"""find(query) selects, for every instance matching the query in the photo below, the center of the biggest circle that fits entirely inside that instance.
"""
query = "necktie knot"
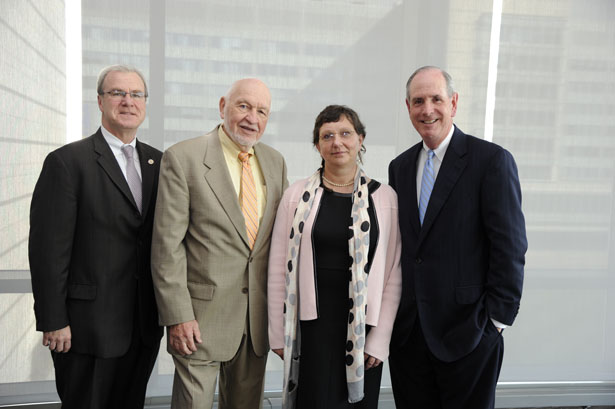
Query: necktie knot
(244, 156)
(430, 154)
(128, 151)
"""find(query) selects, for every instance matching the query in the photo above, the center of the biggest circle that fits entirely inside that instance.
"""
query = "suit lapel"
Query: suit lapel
(411, 188)
(107, 161)
(451, 169)
(148, 175)
(219, 179)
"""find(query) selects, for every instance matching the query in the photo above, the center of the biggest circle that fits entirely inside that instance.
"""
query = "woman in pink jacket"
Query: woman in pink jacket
(334, 274)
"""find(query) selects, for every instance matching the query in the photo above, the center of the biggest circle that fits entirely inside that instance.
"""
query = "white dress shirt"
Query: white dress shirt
(439, 153)
(116, 147)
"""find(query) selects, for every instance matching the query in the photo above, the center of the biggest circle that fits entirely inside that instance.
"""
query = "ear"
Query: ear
(454, 102)
(100, 102)
(408, 105)
(222, 104)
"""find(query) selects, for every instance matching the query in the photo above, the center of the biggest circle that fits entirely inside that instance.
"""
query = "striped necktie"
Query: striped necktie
(248, 198)
(427, 183)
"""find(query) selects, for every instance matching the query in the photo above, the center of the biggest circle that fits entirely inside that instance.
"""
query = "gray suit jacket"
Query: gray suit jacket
(202, 265)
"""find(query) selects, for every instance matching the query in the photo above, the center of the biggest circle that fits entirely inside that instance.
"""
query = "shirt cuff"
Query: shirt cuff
(498, 324)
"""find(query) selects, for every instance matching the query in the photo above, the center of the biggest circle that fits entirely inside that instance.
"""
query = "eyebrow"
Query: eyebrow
(428, 96)
(243, 101)
(349, 129)
(121, 89)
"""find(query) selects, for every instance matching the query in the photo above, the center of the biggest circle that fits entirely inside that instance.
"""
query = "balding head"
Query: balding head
(245, 111)
(431, 104)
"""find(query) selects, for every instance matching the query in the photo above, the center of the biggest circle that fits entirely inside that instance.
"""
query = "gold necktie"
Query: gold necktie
(248, 198)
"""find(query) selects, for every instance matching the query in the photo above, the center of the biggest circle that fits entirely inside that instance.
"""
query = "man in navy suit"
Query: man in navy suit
(90, 235)
(463, 252)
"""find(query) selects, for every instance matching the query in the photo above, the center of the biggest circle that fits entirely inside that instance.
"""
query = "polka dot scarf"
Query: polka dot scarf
(358, 247)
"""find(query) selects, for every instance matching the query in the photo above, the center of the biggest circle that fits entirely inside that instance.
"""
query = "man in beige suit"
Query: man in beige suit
(210, 254)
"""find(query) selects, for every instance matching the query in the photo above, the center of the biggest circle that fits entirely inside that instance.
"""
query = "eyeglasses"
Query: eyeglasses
(117, 94)
(326, 137)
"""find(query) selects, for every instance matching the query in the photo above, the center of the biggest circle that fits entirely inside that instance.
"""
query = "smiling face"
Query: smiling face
(245, 111)
(430, 107)
(122, 115)
(339, 144)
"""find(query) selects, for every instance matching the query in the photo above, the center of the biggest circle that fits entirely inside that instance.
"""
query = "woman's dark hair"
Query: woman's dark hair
(334, 113)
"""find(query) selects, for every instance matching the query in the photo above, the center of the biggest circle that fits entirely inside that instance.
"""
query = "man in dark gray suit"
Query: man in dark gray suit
(463, 252)
(89, 249)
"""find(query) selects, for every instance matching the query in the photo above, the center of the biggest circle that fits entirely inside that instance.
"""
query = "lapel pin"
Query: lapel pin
(150, 161)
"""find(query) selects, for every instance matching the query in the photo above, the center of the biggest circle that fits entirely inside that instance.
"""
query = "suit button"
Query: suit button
(250, 259)
(418, 260)
(244, 290)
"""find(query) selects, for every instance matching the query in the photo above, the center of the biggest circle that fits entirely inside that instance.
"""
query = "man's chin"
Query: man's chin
(244, 141)
(130, 122)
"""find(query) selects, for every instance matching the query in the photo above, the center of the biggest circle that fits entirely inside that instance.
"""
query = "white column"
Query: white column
(74, 101)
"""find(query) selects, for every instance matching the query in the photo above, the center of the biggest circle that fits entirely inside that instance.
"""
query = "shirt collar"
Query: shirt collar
(441, 149)
(114, 142)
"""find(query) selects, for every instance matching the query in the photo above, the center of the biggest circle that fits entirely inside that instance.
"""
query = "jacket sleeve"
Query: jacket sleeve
(276, 279)
(379, 338)
(169, 266)
(505, 229)
(53, 215)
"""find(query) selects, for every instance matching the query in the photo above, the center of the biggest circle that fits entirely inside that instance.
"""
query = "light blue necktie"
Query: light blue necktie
(427, 182)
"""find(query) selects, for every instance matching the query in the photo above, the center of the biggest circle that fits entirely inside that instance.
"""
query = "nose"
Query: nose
(252, 116)
(127, 99)
(337, 139)
(428, 108)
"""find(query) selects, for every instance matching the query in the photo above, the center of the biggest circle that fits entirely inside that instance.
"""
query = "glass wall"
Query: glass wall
(32, 123)
(553, 111)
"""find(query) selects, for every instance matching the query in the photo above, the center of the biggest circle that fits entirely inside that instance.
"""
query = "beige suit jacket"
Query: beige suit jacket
(202, 265)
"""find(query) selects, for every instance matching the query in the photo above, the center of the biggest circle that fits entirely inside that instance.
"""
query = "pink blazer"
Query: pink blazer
(383, 283)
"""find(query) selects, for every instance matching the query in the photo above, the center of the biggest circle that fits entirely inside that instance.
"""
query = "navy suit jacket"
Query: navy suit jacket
(89, 248)
(465, 264)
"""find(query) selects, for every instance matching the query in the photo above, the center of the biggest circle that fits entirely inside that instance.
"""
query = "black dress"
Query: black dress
(322, 370)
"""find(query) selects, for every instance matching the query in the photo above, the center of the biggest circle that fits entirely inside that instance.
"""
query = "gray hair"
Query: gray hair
(450, 87)
(120, 68)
